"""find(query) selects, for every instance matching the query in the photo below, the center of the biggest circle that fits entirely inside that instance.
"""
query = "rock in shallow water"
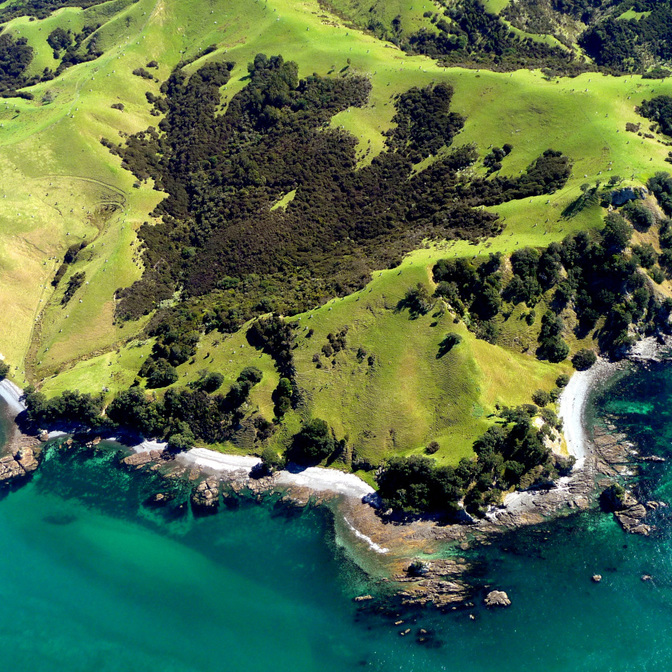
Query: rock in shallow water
(205, 497)
(497, 598)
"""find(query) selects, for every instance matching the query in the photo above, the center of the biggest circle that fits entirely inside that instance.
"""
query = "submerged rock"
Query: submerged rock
(160, 499)
(497, 598)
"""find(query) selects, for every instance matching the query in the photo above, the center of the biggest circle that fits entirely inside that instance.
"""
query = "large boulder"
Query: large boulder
(205, 497)
(27, 459)
(10, 469)
(497, 598)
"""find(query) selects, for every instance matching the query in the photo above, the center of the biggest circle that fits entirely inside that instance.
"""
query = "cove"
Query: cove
(94, 580)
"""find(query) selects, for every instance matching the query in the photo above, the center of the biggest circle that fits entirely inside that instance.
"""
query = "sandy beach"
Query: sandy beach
(12, 393)
(314, 478)
(572, 406)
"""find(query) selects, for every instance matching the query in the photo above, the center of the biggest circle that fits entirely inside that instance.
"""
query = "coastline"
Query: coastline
(382, 548)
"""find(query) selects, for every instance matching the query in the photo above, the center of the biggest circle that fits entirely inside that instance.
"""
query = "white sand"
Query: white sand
(315, 478)
(147, 446)
(209, 459)
(572, 406)
(327, 480)
(12, 393)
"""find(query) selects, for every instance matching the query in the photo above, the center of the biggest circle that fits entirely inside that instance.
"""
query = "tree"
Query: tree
(132, 408)
(282, 397)
(209, 381)
(181, 441)
(554, 350)
(562, 380)
(449, 341)
(584, 359)
(313, 443)
(417, 300)
(251, 374)
(616, 233)
(162, 375)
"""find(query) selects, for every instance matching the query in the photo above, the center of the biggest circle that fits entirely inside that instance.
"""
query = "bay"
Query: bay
(94, 580)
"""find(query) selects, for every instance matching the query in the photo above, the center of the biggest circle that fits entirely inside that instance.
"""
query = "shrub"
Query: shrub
(271, 460)
(562, 380)
(432, 448)
(584, 359)
(540, 398)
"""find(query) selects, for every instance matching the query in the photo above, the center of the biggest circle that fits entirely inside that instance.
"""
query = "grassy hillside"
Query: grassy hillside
(59, 184)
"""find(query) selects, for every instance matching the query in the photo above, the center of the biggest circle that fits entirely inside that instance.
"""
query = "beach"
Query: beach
(572, 406)
(12, 394)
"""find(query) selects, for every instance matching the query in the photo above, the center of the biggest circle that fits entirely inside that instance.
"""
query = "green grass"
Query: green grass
(51, 162)
(285, 200)
(496, 6)
(632, 14)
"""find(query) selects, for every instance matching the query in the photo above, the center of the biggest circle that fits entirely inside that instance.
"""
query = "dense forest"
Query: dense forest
(658, 109)
(224, 173)
(180, 418)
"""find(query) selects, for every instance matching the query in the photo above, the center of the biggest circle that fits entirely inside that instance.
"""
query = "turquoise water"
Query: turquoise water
(92, 580)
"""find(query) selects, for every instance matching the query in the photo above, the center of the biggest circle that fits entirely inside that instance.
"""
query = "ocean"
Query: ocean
(93, 580)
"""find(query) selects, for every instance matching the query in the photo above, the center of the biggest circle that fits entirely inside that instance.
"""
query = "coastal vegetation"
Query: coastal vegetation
(380, 213)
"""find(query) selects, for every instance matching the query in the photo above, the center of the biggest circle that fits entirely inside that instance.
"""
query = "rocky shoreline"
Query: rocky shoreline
(216, 480)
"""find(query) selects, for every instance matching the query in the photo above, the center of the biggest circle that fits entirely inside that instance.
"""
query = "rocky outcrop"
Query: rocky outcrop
(438, 585)
(629, 513)
(27, 459)
(632, 519)
(497, 598)
(10, 469)
(615, 454)
(19, 462)
(205, 497)
(147, 458)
